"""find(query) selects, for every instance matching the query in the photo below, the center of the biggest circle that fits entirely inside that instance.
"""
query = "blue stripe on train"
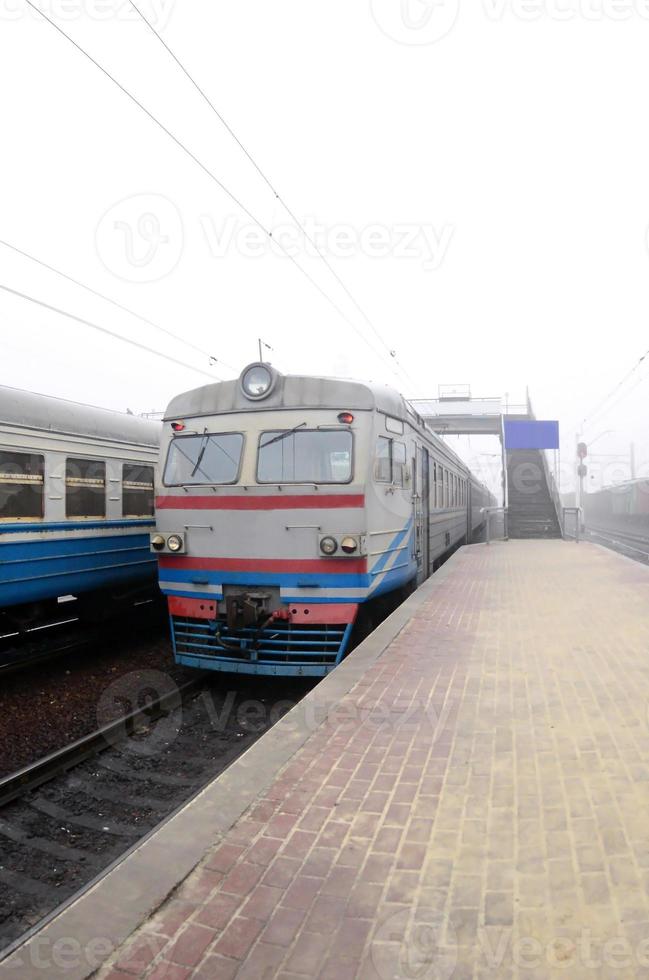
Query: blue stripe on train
(296, 579)
(64, 548)
(31, 571)
(33, 526)
(393, 579)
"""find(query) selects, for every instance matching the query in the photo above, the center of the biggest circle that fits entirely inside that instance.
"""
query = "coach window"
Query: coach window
(85, 488)
(398, 463)
(21, 485)
(137, 490)
(440, 486)
(383, 460)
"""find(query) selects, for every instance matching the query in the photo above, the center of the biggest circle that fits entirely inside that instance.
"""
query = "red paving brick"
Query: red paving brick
(476, 805)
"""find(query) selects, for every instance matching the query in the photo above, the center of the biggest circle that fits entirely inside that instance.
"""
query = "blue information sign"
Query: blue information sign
(531, 435)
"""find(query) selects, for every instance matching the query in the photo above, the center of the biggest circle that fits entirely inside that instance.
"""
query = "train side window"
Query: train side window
(383, 460)
(85, 488)
(433, 487)
(439, 502)
(21, 485)
(398, 463)
(137, 490)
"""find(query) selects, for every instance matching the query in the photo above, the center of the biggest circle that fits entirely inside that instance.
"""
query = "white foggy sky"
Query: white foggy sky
(505, 152)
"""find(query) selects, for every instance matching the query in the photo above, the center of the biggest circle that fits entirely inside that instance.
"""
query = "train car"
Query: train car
(76, 505)
(290, 505)
(623, 507)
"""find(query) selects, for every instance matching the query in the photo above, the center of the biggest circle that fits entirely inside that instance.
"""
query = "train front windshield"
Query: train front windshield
(305, 456)
(213, 457)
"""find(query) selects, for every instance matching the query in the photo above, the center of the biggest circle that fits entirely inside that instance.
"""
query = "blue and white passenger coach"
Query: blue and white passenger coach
(76, 504)
(286, 505)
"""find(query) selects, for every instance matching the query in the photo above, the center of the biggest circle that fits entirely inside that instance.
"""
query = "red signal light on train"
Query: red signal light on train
(178, 426)
(345, 418)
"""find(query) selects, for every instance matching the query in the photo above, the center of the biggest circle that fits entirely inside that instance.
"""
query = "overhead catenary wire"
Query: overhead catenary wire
(309, 238)
(105, 330)
(119, 306)
(600, 405)
(209, 173)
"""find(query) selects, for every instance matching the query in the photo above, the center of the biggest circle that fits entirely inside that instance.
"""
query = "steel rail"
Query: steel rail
(14, 660)
(50, 641)
(621, 538)
(30, 777)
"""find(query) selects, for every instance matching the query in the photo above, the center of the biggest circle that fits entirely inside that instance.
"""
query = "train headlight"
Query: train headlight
(349, 545)
(157, 542)
(174, 542)
(328, 546)
(257, 381)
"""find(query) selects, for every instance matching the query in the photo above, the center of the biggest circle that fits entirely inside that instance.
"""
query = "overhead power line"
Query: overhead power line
(118, 306)
(209, 173)
(275, 192)
(600, 405)
(105, 330)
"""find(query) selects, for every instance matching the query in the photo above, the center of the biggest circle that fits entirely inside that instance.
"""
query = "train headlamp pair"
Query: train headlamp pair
(329, 545)
(173, 543)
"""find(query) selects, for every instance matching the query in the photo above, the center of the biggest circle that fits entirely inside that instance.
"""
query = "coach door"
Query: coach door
(425, 508)
(416, 516)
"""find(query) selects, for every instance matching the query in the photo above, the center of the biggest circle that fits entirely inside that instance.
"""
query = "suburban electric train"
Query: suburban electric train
(289, 506)
(76, 506)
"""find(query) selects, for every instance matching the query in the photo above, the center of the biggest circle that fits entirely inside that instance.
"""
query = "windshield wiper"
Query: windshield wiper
(283, 435)
(199, 460)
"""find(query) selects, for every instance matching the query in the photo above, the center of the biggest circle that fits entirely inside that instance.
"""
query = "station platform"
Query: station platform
(467, 795)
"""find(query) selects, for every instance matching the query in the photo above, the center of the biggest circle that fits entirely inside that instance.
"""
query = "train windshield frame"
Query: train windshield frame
(204, 459)
(300, 455)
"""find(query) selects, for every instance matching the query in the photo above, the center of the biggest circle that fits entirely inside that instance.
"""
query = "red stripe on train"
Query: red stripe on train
(330, 565)
(324, 501)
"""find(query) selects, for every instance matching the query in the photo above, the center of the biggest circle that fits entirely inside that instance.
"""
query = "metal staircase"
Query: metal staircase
(531, 508)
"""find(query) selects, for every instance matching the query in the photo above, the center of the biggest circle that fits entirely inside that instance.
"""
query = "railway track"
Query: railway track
(634, 545)
(30, 777)
(67, 819)
(66, 636)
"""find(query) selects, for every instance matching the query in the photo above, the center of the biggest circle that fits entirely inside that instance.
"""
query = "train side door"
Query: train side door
(425, 507)
(417, 516)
